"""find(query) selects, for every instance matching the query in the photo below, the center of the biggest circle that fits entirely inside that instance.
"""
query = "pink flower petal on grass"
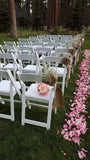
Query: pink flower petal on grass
(64, 154)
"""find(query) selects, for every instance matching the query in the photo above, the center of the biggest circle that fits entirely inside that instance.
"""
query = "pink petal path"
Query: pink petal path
(75, 123)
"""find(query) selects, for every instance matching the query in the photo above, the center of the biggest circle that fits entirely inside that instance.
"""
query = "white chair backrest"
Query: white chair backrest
(41, 37)
(8, 48)
(23, 43)
(28, 77)
(23, 39)
(50, 45)
(54, 37)
(10, 43)
(48, 59)
(7, 57)
(33, 39)
(61, 51)
(46, 40)
(37, 44)
(59, 44)
(29, 59)
(25, 49)
(52, 61)
(43, 51)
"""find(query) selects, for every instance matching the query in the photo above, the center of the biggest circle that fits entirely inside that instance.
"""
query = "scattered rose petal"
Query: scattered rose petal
(76, 124)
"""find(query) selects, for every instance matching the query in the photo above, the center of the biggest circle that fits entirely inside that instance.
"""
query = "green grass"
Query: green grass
(22, 33)
(35, 143)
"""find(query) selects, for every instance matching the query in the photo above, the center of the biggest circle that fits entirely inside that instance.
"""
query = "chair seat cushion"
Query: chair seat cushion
(11, 66)
(33, 94)
(5, 87)
(31, 68)
(60, 70)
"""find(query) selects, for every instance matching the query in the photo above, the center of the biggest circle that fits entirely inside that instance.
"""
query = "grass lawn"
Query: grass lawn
(36, 143)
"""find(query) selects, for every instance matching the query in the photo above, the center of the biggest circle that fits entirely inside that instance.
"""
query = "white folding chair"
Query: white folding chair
(42, 51)
(36, 44)
(29, 63)
(23, 40)
(33, 39)
(41, 37)
(30, 93)
(22, 43)
(10, 43)
(61, 71)
(8, 49)
(50, 45)
(61, 51)
(25, 50)
(8, 90)
(8, 63)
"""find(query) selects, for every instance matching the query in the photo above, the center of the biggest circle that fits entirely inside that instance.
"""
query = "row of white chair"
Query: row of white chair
(26, 67)
(46, 51)
(31, 63)
(39, 50)
(24, 47)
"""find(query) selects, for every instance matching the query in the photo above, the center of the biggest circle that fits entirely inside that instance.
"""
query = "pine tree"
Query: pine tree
(38, 14)
(4, 14)
(76, 19)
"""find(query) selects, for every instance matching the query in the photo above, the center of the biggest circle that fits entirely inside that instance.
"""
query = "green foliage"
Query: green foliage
(4, 14)
(38, 16)
(76, 19)
(3, 9)
(56, 30)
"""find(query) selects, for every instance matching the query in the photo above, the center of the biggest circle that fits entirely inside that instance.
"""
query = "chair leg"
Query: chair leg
(23, 106)
(12, 104)
(49, 114)
(63, 84)
(12, 109)
(55, 110)
(66, 82)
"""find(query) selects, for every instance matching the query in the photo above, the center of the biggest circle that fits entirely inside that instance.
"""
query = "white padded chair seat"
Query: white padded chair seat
(34, 94)
(11, 66)
(30, 68)
(60, 71)
(5, 87)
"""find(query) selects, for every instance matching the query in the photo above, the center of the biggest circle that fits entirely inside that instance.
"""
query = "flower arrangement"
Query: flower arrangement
(43, 88)
(50, 77)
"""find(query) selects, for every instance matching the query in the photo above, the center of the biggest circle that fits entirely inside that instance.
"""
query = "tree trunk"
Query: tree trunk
(13, 31)
(59, 11)
(49, 14)
(56, 12)
(53, 13)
